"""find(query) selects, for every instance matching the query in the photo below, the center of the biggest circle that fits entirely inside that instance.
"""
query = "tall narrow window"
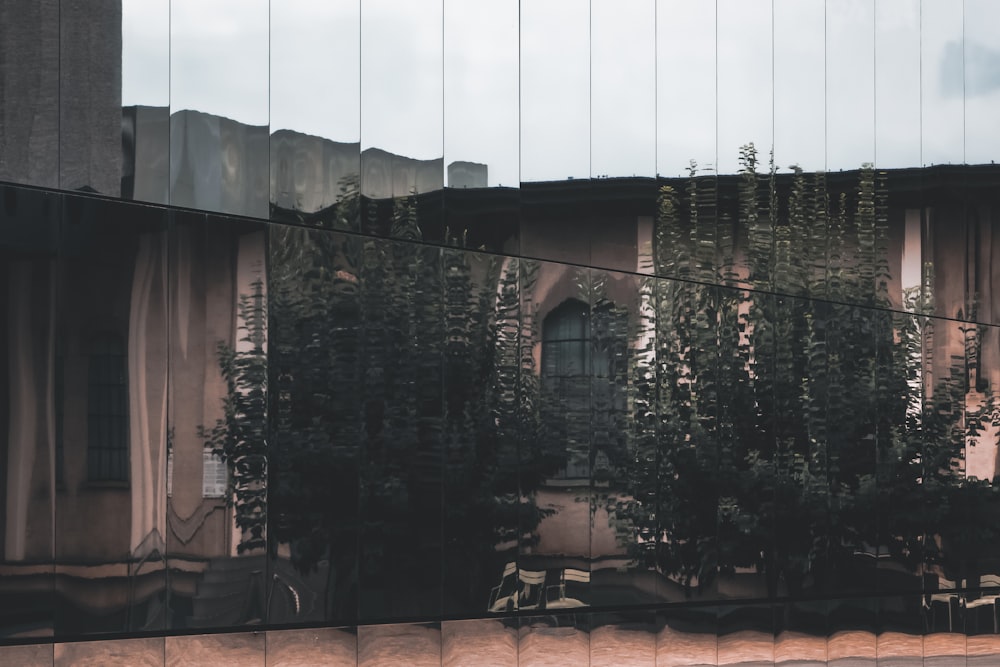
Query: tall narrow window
(107, 410)
(213, 474)
(566, 357)
(566, 341)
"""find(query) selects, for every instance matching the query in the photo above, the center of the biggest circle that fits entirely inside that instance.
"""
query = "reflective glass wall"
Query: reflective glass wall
(659, 332)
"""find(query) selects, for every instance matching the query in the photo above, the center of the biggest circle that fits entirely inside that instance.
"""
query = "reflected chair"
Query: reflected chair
(532, 585)
(561, 600)
(987, 581)
(946, 596)
(498, 603)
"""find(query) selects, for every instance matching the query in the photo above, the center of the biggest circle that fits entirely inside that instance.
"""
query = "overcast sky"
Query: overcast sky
(576, 88)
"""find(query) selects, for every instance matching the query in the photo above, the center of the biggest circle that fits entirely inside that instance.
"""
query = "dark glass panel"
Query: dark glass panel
(315, 54)
(401, 68)
(557, 221)
(29, 93)
(113, 325)
(622, 354)
(563, 636)
(687, 459)
(743, 393)
(243, 648)
(30, 298)
(316, 423)
(409, 645)
(853, 632)
(90, 96)
(801, 632)
(145, 100)
(479, 642)
(219, 106)
(626, 639)
(146, 652)
(481, 498)
(332, 647)
(403, 332)
(216, 511)
(900, 631)
(746, 634)
(688, 637)
(555, 454)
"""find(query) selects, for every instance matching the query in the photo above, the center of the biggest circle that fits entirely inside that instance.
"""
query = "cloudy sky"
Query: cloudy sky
(553, 89)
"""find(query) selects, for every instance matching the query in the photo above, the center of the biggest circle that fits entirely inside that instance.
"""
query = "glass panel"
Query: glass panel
(745, 86)
(316, 423)
(942, 83)
(687, 470)
(623, 639)
(481, 94)
(416, 645)
(900, 635)
(219, 106)
(801, 631)
(402, 327)
(799, 84)
(32, 655)
(746, 634)
(897, 84)
(30, 420)
(688, 637)
(685, 86)
(554, 562)
(218, 370)
(481, 315)
(333, 647)
(315, 154)
(111, 499)
(244, 648)
(484, 642)
(146, 652)
(982, 87)
(555, 91)
(623, 88)
(401, 68)
(850, 84)
(623, 377)
(90, 47)
(750, 367)
(564, 638)
(853, 632)
(145, 99)
(29, 93)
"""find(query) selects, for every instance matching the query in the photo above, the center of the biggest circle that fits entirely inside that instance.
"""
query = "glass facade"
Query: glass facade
(373, 333)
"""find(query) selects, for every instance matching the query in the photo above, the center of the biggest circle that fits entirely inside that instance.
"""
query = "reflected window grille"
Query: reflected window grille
(566, 358)
(213, 474)
(107, 409)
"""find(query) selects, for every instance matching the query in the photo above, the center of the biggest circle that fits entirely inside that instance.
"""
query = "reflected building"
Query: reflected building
(332, 400)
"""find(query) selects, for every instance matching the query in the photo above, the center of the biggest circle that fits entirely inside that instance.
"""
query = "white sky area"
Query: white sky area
(551, 89)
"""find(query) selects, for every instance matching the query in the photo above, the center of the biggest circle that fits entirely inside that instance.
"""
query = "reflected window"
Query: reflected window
(566, 341)
(213, 475)
(107, 410)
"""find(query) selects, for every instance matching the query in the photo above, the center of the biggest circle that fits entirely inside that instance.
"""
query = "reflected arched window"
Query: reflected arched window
(107, 409)
(566, 341)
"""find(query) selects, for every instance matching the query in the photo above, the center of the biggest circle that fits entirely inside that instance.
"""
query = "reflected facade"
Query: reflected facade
(482, 334)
